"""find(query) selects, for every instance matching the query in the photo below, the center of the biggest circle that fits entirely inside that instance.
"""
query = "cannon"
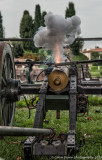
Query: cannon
(61, 89)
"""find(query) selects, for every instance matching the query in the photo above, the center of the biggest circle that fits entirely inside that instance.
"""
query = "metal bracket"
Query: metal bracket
(38, 122)
(28, 147)
(71, 139)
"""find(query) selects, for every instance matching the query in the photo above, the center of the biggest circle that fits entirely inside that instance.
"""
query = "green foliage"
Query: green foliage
(1, 27)
(95, 74)
(42, 54)
(21, 103)
(100, 56)
(94, 68)
(27, 30)
(45, 55)
(94, 55)
(76, 46)
(30, 55)
(70, 10)
(17, 49)
(42, 18)
(26, 25)
(95, 64)
(29, 26)
(49, 52)
(95, 100)
(79, 57)
(37, 19)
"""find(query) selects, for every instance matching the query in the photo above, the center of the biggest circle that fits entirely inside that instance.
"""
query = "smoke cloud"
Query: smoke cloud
(58, 31)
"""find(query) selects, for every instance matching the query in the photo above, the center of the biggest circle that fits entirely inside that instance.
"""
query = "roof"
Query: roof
(93, 50)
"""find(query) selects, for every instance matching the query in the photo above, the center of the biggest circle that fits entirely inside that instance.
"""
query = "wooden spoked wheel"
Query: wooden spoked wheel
(7, 71)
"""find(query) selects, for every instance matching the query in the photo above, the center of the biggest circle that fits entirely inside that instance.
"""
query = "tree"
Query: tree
(1, 27)
(42, 54)
(27, 30)
(77, 45)
(17, 49)
(70, 11)
(42, 18)
(95, 55)
(37, 20)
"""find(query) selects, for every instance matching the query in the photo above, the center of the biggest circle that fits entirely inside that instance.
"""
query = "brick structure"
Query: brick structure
(23, 70)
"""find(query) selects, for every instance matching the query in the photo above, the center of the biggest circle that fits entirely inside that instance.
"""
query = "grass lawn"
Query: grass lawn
(11, 147)
(95, 72)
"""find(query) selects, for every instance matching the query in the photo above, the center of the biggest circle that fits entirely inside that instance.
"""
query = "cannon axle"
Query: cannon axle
(18, 131)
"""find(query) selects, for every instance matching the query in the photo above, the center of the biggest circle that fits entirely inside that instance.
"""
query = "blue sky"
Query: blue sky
(89, 11)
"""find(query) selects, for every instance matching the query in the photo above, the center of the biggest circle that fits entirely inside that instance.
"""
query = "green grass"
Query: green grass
(95, 72)
(92, 129)
(95, 100)
(94, 68)
(11, 147)
(21, 103)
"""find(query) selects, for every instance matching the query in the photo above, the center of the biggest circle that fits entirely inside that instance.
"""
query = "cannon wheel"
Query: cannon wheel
(7, 70)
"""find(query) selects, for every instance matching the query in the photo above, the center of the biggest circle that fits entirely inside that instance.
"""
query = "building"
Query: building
(89, 51)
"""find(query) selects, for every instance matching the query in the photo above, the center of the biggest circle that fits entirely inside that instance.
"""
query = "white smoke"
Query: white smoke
(58, 30)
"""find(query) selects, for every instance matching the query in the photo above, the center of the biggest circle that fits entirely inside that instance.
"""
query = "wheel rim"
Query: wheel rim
(7, 109)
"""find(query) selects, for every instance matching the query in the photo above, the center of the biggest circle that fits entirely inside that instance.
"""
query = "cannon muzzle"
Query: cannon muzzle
(58, 79)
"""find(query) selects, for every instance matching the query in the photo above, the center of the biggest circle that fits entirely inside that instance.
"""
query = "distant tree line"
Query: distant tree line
(29, 26)
(76, 46)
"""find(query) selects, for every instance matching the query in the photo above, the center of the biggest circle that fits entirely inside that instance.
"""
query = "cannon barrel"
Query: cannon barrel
(18, 131)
